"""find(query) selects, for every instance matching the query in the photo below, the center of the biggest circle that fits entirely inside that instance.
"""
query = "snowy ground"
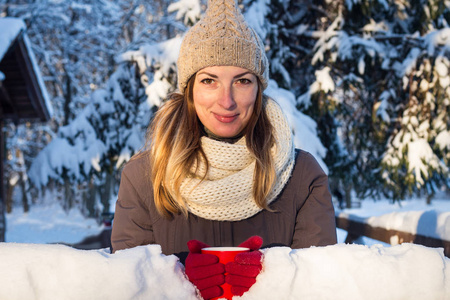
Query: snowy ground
(49, 224)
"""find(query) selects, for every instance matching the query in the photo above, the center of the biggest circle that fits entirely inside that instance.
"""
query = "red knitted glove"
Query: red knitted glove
(246, 266)
(204, 270)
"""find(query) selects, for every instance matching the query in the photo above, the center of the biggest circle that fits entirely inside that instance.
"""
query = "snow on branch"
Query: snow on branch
(188, 10)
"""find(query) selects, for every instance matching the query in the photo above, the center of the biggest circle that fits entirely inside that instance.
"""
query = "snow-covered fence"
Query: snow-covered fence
(394, 235)
(408, 271)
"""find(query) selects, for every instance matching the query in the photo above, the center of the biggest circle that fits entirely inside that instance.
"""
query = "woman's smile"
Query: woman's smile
(225, 119)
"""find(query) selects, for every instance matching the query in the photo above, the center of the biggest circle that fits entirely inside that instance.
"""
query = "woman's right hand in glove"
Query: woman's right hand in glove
(204, 270)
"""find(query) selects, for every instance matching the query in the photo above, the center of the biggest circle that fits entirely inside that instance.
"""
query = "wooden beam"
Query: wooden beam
(357, 229)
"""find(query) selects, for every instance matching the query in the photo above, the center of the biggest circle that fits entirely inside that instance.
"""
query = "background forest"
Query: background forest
(365, 85)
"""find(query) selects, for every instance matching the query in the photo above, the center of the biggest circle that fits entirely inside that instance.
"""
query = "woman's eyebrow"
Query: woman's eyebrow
(242, 74)
(208, 74)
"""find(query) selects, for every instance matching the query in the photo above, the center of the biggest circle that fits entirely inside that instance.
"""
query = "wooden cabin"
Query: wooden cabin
(22, 91)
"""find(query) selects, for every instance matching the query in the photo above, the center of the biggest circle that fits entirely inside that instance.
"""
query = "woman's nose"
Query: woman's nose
(227, 98)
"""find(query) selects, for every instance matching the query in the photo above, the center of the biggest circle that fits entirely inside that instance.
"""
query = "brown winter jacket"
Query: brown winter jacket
(303, 215)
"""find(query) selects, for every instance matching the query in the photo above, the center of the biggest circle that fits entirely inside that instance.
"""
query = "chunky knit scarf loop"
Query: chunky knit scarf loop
(226, 192)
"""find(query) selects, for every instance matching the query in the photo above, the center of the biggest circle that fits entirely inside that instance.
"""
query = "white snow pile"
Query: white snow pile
(36, 271)
(407, 271)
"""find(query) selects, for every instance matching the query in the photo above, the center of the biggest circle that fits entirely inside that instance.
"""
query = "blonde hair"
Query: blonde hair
(174, 138)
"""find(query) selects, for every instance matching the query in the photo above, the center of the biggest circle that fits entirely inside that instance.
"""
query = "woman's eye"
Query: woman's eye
(207, 81)
(244, 81)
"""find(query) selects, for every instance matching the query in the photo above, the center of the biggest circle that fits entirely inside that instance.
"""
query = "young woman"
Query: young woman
(220, 165)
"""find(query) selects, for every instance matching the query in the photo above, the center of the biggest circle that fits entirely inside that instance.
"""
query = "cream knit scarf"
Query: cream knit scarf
(226, 192)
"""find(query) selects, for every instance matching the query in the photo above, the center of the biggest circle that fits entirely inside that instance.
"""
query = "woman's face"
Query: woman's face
(224, 98)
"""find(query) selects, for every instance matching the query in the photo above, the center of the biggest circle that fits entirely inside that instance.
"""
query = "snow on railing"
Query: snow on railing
(428, 228)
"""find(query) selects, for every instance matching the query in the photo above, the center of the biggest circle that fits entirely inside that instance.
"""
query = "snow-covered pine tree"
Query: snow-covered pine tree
(90, 149)
(351, 60)
(389, 61)
(416, 158)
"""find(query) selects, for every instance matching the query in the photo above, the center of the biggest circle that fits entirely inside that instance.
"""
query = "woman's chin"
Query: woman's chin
(227, 134)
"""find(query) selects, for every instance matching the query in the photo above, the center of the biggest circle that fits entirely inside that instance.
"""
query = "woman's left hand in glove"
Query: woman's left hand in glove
(242, 272)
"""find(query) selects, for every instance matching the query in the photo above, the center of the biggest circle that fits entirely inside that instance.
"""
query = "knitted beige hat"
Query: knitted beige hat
(221, 38)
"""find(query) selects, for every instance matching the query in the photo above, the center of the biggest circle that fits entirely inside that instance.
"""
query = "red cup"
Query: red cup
(225, 255)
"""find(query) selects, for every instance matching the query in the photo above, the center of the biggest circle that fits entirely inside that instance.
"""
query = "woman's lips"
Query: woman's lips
(225, 119)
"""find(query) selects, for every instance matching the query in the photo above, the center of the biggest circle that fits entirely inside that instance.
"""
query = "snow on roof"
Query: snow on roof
(37, 71)
(10, 29)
